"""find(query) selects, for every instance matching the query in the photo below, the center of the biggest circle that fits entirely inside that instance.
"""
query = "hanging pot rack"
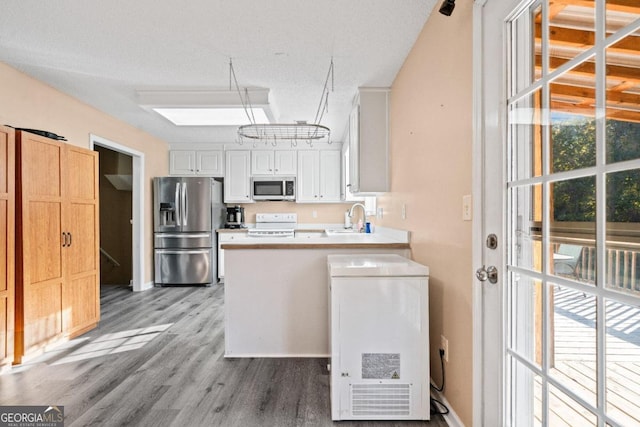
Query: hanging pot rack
(292, 132)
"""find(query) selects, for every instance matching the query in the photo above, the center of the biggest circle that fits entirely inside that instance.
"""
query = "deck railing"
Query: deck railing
(622, 266)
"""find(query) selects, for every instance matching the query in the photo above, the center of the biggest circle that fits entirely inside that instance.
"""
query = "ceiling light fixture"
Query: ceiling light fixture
(447, 7)
(293, 132)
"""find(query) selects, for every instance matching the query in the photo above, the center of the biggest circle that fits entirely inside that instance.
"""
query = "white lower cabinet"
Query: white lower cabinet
(226, 237)
(319, 176)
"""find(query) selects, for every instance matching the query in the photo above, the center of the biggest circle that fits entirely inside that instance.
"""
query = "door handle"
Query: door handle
(177, 204)
(490, 273)
(64, 239)
(185, 208)
(70, 239)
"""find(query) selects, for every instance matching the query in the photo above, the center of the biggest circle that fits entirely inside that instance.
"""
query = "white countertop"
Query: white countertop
(374, 265)
(382, 237)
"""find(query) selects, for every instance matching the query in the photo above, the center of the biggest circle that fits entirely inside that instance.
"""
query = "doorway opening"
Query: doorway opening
(137, 209)
(116, 210)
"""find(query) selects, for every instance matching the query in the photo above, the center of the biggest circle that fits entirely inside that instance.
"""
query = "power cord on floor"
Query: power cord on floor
(437, 407)
(441, 388)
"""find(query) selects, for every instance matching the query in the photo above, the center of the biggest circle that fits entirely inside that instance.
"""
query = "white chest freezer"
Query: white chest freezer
(379, 338)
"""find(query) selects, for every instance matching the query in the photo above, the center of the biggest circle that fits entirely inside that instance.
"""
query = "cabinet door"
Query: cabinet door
(262, 162)
(210, 162)
(330, 175)
(182, 162)
(353, 183)
(308, 174)
(236, 177)
(39, 277)
(81, 288)
(7, 199)
(285, 162)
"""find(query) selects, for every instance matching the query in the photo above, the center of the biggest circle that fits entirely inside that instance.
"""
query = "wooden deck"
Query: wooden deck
(574, 363)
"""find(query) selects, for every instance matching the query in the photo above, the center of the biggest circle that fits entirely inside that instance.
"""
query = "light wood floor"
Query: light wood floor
(157, 360)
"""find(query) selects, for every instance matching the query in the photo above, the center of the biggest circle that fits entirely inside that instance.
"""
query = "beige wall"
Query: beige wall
(28, 103)
(431, 134)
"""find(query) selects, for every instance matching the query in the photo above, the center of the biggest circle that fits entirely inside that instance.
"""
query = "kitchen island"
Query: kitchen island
(277, 290)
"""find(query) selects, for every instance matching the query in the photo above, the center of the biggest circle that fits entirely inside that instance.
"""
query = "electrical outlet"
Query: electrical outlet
(444, 345)
(314, 214)
(379, 213)
(404, 211)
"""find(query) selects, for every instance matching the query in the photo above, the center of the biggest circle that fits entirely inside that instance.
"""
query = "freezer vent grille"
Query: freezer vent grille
(380, 400)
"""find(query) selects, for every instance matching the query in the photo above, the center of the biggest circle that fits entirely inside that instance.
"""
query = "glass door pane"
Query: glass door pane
(573, 191)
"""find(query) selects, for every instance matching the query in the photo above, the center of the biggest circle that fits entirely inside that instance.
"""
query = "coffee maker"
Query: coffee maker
(235, 217)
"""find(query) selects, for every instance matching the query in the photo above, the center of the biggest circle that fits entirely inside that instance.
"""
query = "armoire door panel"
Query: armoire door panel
(43, 314)
(45, 242)
(81, 251)
(80, 168)
(41, 175)
(7, 244)
(4, 245)
(4, 162)
(58, 242)
(5, 344)
(81, 300)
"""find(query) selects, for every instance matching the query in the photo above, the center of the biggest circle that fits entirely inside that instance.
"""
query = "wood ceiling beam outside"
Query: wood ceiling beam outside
(627, 6)
(583, 93)
(613, 114)
(617, 72)
(585, 39)
(583, 97)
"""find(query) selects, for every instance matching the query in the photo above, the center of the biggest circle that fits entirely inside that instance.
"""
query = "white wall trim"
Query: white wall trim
(147, 286)
(478, 210)
(451, 418)
(138, 226)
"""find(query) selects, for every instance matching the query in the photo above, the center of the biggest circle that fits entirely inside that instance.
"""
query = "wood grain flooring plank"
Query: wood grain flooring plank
(157, 359)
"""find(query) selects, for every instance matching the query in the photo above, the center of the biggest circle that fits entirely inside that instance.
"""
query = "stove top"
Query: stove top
(274, 225)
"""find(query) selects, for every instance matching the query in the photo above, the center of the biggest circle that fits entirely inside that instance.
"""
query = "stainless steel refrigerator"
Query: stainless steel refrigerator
(187, 211)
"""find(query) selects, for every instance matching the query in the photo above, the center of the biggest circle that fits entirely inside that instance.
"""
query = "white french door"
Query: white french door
(558, 114)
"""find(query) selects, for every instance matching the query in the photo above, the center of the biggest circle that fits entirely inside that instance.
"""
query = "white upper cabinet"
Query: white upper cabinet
(270, 162)
(285, 162)
(196, 162)
(210, 162)
(330, 161)
(237, 186)
(368, 139)
(318, 176)
(182, 162)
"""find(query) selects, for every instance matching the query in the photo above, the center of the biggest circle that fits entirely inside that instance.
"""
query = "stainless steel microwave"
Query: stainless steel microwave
(273, 188)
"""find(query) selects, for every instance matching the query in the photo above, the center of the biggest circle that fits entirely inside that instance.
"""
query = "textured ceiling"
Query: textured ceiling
(103, 51)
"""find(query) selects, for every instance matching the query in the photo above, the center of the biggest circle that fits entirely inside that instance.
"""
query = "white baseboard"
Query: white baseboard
(451, 418)
(146, 286)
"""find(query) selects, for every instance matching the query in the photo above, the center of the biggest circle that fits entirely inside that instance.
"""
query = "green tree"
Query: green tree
(573, 146)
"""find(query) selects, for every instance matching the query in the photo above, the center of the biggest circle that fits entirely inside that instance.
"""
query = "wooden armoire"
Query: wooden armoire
(7, 233)
(57, 242)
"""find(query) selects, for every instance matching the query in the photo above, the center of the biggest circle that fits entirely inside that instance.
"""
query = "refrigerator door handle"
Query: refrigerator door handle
(182, 251)
(185, 212)
(183, 235)
(177, 204)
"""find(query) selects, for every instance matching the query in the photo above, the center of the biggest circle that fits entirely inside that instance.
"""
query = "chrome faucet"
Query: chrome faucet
(364, 212)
